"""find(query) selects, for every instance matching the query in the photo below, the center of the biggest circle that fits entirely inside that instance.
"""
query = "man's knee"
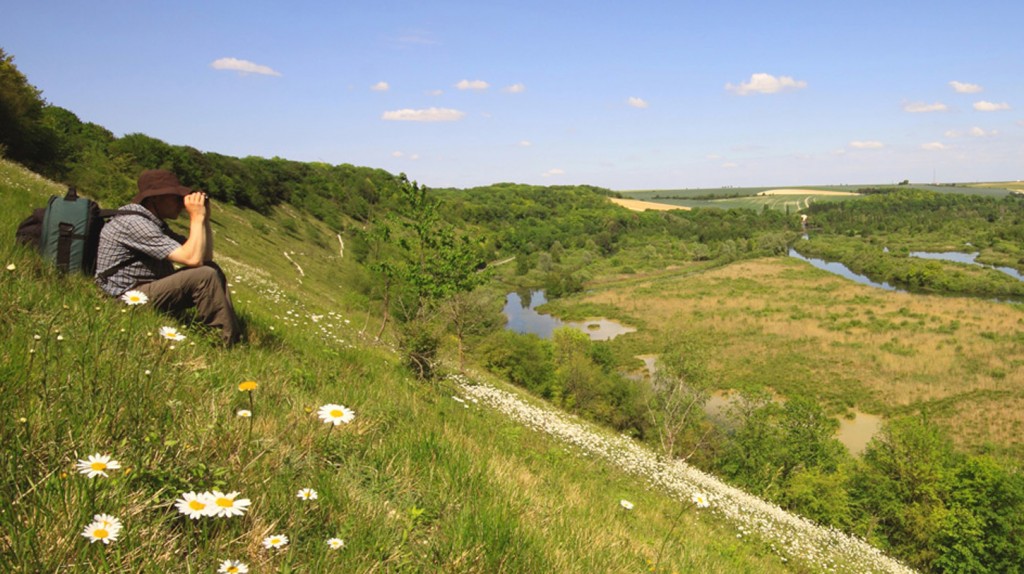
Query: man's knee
(206, 274)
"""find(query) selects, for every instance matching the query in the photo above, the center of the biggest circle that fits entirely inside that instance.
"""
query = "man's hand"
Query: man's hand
(196, 205)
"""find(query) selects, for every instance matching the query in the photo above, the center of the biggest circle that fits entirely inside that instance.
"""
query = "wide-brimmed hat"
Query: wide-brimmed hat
(154, 182)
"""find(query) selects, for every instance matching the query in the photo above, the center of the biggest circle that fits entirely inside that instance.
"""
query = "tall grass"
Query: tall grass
(417, 482)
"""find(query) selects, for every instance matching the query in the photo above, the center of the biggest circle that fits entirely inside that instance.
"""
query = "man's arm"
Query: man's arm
(208, 229)
(193, 252)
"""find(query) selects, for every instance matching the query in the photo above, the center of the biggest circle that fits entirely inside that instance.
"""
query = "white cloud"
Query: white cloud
(766, 84)
(472, 85)
(637, 102)
(397, 154)
(380, 87)
(983, 106)
(730, 165)
(980, 132)
(921, 107)
(553, 172)
(243, 67)
(933, 146)
(435, 92)
(963, 88)
(515, 89)
(870, 144)
(423, 115)
(525, 143)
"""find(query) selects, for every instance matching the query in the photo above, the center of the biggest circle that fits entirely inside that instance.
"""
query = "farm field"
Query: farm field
(795, 198)
(779, 324)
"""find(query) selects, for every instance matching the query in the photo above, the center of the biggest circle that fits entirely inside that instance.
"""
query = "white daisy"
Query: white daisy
(11, 267)
(195, 506)
(275, 541)
(244, 413)
(97, 464)
(307, 494)
(626, 504)
(104, 532)
(134, 297)
(233, 567)
(700, 500)
(107, 520)
(336, 414)
(335, 543)
(226, 505)
(171, 334)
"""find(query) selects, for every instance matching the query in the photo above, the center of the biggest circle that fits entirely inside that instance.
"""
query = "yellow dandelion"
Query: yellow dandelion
(247, 386)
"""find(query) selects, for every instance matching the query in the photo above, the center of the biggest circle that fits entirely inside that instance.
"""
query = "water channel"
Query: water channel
(968, 258)
(953, 256)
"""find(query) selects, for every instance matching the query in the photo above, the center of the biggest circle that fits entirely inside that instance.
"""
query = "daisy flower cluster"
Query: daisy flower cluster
(788, 534)
(211, 504)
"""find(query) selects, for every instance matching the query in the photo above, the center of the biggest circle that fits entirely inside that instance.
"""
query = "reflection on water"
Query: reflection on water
(955, 256)
(968, 258)
(841, 270)
(520, 310)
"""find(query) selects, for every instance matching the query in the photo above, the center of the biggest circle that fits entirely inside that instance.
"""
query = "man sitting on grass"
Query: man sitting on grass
(138, 250)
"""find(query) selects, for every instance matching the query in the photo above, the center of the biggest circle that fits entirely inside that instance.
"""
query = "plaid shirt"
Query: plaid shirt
(133, 250)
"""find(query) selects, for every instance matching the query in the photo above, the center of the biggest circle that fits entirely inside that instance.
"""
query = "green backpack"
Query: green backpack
(67, 231)
(71, 232)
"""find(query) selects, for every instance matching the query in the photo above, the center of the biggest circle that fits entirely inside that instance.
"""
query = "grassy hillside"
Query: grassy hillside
(422, 480)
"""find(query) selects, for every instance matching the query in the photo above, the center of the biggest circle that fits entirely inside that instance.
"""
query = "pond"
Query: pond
(522, 317)
(854, 432)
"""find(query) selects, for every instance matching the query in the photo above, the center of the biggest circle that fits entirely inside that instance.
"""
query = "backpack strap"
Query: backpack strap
(66, 234)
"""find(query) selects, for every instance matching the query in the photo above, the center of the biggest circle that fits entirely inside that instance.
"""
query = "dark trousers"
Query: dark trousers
(204, 288)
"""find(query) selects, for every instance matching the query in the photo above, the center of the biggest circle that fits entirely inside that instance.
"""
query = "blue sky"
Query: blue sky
(624, 95)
